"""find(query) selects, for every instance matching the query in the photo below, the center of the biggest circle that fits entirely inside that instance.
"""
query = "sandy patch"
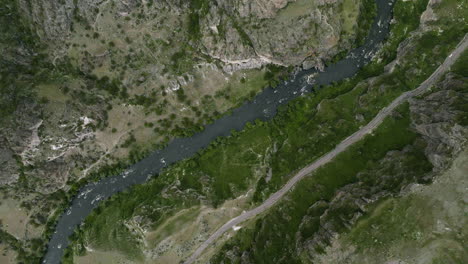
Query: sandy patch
(6, 255)
(102, 257)
(196, 227)
(15, 220)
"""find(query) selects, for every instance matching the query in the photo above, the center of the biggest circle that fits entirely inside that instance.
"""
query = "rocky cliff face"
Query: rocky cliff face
(271, 33)
(53, 20)
(243, 33)
(436, 119)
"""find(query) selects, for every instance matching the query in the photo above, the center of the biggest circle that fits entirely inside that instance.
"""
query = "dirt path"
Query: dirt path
(358, 135)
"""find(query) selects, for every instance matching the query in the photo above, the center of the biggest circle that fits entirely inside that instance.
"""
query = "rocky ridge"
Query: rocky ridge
(236, 32)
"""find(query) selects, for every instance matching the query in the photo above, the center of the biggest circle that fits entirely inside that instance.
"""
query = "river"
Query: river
(263, 107)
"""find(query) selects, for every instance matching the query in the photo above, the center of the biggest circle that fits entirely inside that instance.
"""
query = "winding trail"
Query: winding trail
(357, 136)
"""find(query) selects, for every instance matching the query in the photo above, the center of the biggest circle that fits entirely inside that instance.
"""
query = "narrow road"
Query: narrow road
(358, 135)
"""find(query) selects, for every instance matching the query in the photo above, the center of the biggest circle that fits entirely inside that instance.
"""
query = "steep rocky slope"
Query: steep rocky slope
(251, 33)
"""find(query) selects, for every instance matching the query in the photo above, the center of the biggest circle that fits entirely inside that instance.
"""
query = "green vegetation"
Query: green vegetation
(425, 223)
(275, 74)
(408, 18)
(54, 205)
(170, 227)
(408, 224)
(22, 66)
(393, 228)
(358, 31)
(17, 245)
(235, 161)
(107, 223)
(17, 70)
(199, 8)
(274, 237)
(182, 61)
(367, 14)
(460, 69)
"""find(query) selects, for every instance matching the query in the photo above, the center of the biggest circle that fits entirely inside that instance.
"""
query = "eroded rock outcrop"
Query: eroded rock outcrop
(283, 32)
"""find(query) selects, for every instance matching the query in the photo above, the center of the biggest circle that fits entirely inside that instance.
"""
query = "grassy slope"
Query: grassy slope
(273, 237)
(426, 224)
